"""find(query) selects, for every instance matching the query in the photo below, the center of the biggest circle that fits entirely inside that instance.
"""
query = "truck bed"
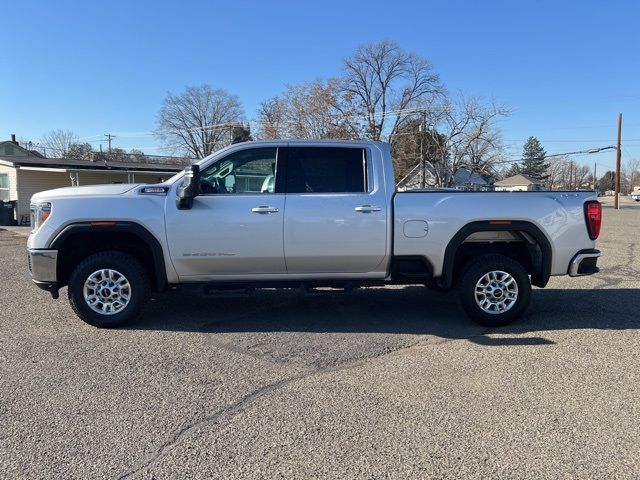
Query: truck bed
(427, 220)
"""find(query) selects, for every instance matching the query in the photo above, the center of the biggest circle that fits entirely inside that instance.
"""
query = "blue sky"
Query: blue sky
(566, 68)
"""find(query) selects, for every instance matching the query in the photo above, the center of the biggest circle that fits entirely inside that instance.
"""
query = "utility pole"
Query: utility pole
(595, 176)
(423, 166)
(109, 137)
(570, 174)
(616, 200)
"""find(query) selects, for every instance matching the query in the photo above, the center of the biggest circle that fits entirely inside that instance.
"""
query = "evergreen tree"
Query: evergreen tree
(533, 164)
(513, 170)
(607, 182)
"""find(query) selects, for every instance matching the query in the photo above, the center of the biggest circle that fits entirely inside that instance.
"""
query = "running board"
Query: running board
(315, 290)
(227, 290)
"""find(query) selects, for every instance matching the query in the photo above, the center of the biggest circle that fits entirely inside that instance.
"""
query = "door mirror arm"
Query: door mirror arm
(189, 189)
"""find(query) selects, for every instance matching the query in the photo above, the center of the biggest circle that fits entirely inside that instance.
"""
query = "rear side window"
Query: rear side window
(326, 170)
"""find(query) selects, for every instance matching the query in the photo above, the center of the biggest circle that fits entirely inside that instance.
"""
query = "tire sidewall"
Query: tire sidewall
(479, 267)
(127, 266)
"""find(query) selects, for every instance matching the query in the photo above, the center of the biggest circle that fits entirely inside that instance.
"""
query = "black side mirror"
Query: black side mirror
(189, 189)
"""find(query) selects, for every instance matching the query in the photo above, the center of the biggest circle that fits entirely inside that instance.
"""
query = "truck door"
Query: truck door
(235, 225)
(336, 215)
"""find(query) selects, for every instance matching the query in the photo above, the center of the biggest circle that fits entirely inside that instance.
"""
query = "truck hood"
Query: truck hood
(86, 191)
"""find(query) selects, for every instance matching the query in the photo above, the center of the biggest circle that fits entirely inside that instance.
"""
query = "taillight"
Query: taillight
(593, 217)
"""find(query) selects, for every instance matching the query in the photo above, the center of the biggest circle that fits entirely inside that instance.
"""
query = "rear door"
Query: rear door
(336, 216)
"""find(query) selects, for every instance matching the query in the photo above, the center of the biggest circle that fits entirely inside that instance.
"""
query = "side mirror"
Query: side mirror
(189, 189)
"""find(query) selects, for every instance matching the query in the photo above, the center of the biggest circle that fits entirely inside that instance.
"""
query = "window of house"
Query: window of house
(245, 171)
(326, 170)
(4, 187)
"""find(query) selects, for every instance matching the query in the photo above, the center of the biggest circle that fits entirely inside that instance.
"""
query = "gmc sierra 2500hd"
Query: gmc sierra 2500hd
(304, 213)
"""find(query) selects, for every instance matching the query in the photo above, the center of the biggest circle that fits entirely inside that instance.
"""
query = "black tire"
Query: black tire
(126, 265)
(474, 271)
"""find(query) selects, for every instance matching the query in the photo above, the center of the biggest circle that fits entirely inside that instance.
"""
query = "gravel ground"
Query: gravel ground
(391, 382)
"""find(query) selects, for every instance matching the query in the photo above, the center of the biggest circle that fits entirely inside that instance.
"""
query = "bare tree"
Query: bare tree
(556, 172)
(56, 143)
(565, 174)
(136, 155)
(472, 138)
(199, 121)
(308, 110)
(631, 173)
(385, 84)
(581, 175)
(79, 151)
(271, 119)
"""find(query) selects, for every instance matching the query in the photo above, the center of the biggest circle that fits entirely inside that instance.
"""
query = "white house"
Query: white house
(518, 183)
(24, 172)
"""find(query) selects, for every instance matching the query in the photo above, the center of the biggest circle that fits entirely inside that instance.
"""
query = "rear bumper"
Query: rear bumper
(585, 262)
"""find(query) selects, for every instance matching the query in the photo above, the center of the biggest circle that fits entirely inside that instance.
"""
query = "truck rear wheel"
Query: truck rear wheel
(494, 290)
(108, 289)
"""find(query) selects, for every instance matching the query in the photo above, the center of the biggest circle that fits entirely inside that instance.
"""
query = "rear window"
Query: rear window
(326, 170)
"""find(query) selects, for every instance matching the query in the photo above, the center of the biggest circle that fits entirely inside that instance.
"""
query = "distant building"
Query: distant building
(463, 179)
(468, 180)
(25, 172)
(11, 148)
(518, 183)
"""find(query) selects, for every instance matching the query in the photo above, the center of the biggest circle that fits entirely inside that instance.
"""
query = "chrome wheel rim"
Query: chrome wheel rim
(496, 292)
(107, 291)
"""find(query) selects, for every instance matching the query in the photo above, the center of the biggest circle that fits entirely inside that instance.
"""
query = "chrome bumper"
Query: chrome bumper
(42, 265)
(584, 263)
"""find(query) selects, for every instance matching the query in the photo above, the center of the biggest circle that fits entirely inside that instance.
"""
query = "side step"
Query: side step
(227, 290)
(316, 290)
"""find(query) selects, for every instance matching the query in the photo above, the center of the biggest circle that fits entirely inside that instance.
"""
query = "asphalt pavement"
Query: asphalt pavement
(378, 383)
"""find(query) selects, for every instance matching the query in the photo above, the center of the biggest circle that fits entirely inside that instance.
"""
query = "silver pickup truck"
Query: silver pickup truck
(307, 214)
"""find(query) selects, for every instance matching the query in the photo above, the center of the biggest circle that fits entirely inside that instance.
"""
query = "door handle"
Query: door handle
(264, 209)
(367, 209)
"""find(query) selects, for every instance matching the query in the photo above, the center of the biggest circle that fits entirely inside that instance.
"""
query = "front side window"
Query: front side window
(245, 171)
(4, 187)
(326, 170)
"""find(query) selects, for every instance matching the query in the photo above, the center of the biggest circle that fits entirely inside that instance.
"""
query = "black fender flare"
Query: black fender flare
(119, 226)
(539, 278)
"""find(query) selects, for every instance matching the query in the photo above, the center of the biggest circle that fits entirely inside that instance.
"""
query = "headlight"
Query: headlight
(39, 213)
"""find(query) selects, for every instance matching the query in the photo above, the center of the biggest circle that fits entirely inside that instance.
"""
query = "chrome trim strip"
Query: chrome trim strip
(575, 263)
(43, 265)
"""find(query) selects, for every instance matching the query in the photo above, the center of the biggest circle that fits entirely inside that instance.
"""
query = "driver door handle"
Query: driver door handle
(264, 209)
(367, 209)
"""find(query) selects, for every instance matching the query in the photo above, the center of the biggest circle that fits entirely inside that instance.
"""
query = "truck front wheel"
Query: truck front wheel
(494, 290)
(108, 289)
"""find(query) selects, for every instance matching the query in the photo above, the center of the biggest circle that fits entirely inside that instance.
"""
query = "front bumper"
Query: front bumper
(43, 269)
(585, 262)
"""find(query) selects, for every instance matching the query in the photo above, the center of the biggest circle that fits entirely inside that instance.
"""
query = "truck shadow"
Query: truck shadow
(411, 310)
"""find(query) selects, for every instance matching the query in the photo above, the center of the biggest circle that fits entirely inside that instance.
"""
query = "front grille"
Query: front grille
(29, 263)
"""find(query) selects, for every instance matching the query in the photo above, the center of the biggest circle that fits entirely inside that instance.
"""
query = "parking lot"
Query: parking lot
(391, 382)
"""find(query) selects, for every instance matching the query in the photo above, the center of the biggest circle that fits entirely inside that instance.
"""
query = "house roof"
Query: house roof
(31, 153)
(518, 179)
(464, 177)
(67, 163)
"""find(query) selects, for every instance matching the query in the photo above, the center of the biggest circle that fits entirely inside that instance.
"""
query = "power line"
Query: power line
(565, 154)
